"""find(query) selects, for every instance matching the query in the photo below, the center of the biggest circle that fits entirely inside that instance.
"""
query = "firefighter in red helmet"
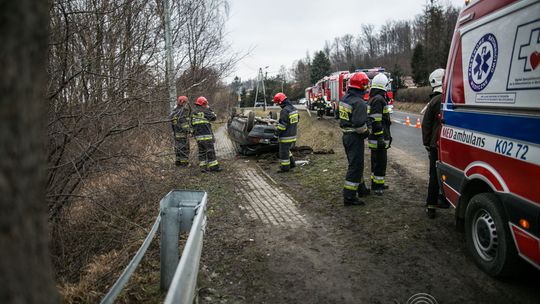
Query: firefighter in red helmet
(201, 117)
(286, 131)
(353, 123)
(180, 125)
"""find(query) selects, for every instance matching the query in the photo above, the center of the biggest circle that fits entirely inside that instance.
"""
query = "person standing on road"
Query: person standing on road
(430, 133)
(286, 131)
(180, 125)
(201, 117)
(321, 107)
(379, 139)
(353, 123)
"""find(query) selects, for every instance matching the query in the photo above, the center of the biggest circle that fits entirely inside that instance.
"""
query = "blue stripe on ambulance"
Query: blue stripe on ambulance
(522, 128)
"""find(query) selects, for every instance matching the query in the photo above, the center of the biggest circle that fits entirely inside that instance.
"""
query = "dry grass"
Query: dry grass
(420, 95)
(413, 107)
(317, 134)
(100, 232)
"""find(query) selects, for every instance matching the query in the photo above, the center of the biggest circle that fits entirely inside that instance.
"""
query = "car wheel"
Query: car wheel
(488, 236)
(250, 121)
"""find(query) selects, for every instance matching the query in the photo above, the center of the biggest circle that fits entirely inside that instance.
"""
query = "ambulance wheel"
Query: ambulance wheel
(250, 121)
(488, 236)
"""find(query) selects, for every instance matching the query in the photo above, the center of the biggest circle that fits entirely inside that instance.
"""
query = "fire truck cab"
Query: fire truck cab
(489, 144)
(372, 73)
(338, 84)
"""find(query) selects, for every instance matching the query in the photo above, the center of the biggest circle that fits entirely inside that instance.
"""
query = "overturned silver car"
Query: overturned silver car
(253, 135)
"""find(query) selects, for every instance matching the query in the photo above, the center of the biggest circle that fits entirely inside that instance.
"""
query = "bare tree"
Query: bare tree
(106, 79)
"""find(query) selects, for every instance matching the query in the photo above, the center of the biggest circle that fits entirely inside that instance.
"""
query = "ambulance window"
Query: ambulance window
(457, 78)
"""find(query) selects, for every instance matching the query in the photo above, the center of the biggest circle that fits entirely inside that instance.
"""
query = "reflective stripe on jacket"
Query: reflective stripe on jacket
(200, 120)
(379, 118)
(288, 122)
(353, 112)
(179, 121)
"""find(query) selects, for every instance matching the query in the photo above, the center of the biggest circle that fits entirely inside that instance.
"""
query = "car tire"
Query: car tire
(273, 115)
(488, 236)
(250, 121)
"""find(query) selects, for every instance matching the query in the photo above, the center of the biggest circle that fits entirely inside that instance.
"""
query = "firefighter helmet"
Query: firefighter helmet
(436, 80)
(359, 80)
(181, 100)
(201, 101)
(279, 98)
(379, 82)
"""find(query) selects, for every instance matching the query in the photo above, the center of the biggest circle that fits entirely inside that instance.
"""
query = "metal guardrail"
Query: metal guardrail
(179, 211)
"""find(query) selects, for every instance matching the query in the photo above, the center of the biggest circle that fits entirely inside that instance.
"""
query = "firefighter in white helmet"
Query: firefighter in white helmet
(430, 130)
(379, 139)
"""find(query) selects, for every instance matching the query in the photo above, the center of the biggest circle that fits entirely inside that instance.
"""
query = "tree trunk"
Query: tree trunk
(25, 264)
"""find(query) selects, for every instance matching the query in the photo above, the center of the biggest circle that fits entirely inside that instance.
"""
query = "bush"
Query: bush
(420, 95)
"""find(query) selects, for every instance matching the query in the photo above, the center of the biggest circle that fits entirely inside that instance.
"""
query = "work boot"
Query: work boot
(293, 163)
(363, 190)
(378, 192)
(431, 211)
(353, 202)
(280, 170)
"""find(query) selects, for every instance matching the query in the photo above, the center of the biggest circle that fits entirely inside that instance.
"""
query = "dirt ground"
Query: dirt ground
(287, 238)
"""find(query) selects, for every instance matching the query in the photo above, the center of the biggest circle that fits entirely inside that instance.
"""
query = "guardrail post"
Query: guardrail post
(169, 252)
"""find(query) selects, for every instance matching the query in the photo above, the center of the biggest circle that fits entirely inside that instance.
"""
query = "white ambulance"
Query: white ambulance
(489, 145)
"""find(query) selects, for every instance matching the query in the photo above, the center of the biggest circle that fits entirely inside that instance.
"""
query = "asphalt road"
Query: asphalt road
(407, 137)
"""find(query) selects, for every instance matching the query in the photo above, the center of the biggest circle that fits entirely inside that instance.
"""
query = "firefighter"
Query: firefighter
(320, 107)
(201, 117)
(180, 125)
(353, 122)
(286, 131)
(379, 139)
(430, 131)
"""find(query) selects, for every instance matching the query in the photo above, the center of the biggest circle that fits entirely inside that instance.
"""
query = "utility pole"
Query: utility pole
(169, 70)
(260, 80)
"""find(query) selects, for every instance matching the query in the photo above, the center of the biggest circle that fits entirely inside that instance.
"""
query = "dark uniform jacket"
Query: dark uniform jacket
(430, 123)
(379, 119)
(200, 120)
(288, 122)
(179, 121)
(353, 112)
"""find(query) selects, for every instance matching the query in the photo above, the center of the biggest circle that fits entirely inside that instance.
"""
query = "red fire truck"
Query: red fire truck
(332, 88)
(372, 73)
(489, 147)
(338, 83)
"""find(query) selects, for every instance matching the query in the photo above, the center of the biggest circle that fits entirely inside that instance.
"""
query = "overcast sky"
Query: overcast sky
(278, 32)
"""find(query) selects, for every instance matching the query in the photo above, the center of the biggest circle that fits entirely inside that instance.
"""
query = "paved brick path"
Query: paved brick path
(263, 199)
